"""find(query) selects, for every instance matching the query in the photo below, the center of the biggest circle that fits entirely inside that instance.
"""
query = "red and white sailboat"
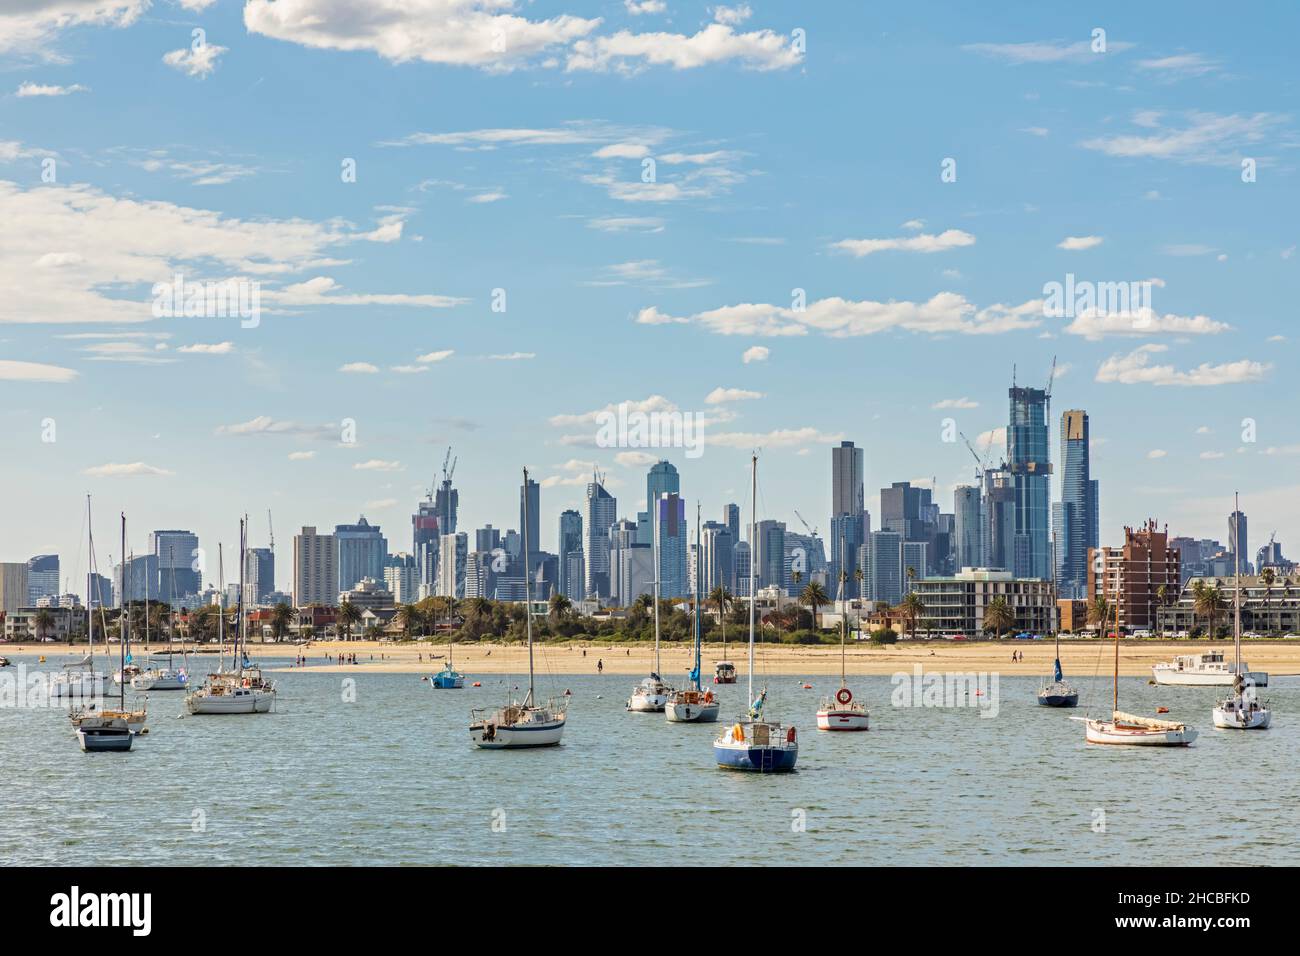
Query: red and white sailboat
(842, 712)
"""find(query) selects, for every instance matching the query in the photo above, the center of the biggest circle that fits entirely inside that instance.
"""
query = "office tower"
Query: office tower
(602, 513)
(259, 575)
(402, 577)
(424, 545)
(1238, 539)
(315, 569)
(915, 560)
(806, 555)
(999, 518)
(1073, 521)
(573, 585)
(731, 518)
(487, 539)
(13, 585)
(715, 561)
(968, 527)
(136, 579)
(632, 572)
(101, 591)
(847, 471)
(741, 556)
(769, 554)
(1031, 470)
(480, 578)
(42, 578)
(662, 479)
(883, 554)
(179, 568)
(446, 504)
(531, 494)
(670, 537)
(513, 543)
(848, 532)
(453, 552)
(361, 549)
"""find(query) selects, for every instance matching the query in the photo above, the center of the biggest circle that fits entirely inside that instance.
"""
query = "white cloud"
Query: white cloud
(491, 196)
(380, 504)
(266, 425)
(635, 459)
(1039, 131)
(301, 455)
(755, 353)
(38, 89)
(779, 438)
(135, 469)
(1179, 65)
(1157, 453)
(437, 356)
(197, 61)
(207, 348)
(946, 312)
(638, 7)
(1212, 455)
(956, 403)
(1095, 326)
(408, 369)
(1203, 430)
(378, 464)
(733, 15)
(719, 395)
(1203, 138)
(513, 356)
(359, 368)
(1074, 243)
(622, 151)
(321, 290)
(1135, 368)
(627, 224)
(30, 26)
(716, 43)
(1047, 51)
(13, 371)
(949, 239)
(655, 403)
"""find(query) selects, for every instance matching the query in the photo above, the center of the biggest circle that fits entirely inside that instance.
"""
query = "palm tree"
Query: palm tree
(910, 609)
(349, 614)
(999, 616)
(560, 606)
(480, 607)
(814, 597)
(281, 616)
(1267, 576)
(408, 619)
(42, 621)
(1162, 596)
(1099, 613)
(1207, 600)
(721, 597)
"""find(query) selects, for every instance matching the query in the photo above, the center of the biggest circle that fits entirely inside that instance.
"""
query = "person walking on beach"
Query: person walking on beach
(600, 667)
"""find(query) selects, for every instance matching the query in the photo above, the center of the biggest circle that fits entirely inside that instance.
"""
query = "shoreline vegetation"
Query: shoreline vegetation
(1081, 658)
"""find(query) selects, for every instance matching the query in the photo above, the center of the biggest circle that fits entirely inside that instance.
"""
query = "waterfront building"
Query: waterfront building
(453, 552)
(1134, 575)
(315, 568)
(42, 578)
(360, 550)
(957, 604)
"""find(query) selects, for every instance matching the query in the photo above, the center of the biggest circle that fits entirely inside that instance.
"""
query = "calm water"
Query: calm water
(392, 779)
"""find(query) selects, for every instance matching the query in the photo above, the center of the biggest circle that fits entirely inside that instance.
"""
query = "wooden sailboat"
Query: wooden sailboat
(842, 712)
(1130, 729)
(694, 704)
(651, 695)
(753, 742)
(1240, 710)
(525, 723)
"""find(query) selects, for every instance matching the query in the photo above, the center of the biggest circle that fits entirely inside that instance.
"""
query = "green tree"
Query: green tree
(912, 608)
(348, 617)
(998, 616)
(1099, 614)
(42, 621)
(814, 597)
(282, 616)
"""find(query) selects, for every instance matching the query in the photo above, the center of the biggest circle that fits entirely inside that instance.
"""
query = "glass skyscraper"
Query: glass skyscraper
(1075, 519)
(1029, 462)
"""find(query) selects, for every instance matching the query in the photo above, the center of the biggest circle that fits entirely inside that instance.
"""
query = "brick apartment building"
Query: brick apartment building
(1132, 575)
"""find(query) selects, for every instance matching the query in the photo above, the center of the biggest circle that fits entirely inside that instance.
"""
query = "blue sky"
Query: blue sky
(501, 146)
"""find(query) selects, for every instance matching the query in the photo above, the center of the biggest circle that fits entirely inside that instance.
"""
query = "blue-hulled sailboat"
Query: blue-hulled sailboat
(753, 742)
(448, 678)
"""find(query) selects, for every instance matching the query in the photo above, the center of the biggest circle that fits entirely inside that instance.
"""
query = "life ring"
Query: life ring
(737, 733)
(789, 736)
(844, 695)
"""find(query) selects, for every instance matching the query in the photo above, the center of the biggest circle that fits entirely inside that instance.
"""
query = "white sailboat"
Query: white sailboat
(1240, 710)
(157, 677)
(651, 695)
(842, 712)
(525, 723)
(753, 742)
(1130, 729)
(242, 689)
(80, 682)
(694, 704)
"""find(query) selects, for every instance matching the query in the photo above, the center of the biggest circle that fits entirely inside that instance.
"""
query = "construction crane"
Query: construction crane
(448, 472)
(271, 528)
(981, 464)
(812, 532)
(1051, 377)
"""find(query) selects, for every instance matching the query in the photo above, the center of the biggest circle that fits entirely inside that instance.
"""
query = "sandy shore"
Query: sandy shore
(1081, 659)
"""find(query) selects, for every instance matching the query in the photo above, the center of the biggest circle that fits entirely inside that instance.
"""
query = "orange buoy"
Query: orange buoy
(807, 686)
(477, 684)
(1162, 710)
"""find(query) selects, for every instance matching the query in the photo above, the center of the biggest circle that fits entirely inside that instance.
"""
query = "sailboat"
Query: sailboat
(724, 672)
(1240, 710)
(80, 682)
(753, 742)
(1059, 693)
(155, 677)
(129, 668)
(242, 689)
(135, 718)
(651, 695)
(448, 678)
(843, 712)
(523, 723)
(1124, 728)
(694, 704)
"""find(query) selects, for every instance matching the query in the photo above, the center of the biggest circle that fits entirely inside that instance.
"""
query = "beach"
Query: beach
(1079, 659)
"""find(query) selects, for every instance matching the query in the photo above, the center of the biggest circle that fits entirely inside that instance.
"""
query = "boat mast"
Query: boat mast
(239, 602)
(753, 549)
(654, 551)
(698, 554)
(123, 624)
(1115, 699)
(1236, 587)
(528, 596)
(90, 594)
(844, 618)
(1056, 597)
(221, 609)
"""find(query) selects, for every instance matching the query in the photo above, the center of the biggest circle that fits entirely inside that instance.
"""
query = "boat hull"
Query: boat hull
(1106, 732)
(770, 758)
(163, 682)
(1230, 718)
(448, 681)
(682, 713)
(647, 703)
(1058, 700)
(96, 735)
(834, 719)
(541, 734)
(1176, 678)
(250, 703)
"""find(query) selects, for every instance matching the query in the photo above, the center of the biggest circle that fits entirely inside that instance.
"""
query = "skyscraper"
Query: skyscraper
(531, 494)
(1031, 469)
(847, 469)
(453, 552)
(968, 515)
(424, 545)
(13, 585)
(715, 561)
(1074, 521)
(670, 537)
(361, 549)
(848, 525)
(1238, 540)
(768, 553)
(177, 553)
(731, 518)
(662, 479)
(42, 577)
(446, 504)
(401, 578)
(572, 584)
(602, 513)
(259, 574)
(740, 562)
(999, 518)
(883, 555)
(315, 569)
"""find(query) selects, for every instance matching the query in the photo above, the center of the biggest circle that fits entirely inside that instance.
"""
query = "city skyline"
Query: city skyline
(923, 297)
